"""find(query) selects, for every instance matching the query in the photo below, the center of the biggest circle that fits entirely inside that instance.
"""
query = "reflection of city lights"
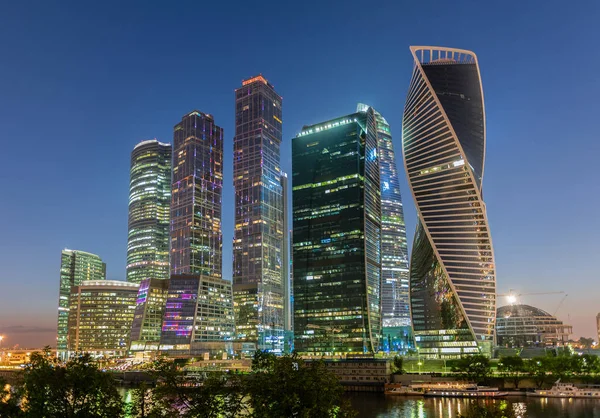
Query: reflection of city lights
(519, 408)
(421, 408)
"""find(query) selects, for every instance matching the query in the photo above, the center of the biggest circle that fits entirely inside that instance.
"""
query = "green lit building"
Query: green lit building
(337, 236)
(149, 311)
(149, 207)
(75, 267)
(100, 317)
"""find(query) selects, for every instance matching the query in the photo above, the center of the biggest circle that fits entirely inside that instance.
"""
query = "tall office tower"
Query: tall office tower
(100, 316)
(395, 311)
(257, 249)
(149, 311)
(285, 270)
(452, 274)
(337, 233)
(196, 238)
(149, 205)
(198, 316)
(75, 267)
(198, 298)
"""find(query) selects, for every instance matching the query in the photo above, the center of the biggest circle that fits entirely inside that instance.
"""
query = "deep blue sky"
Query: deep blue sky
(82, 82)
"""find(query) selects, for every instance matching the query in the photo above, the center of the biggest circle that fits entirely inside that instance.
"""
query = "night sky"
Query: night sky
(82, 82)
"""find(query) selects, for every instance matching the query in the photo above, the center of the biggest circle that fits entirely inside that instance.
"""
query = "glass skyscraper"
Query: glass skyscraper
(75, 267)
(149, 206)
(452, 273)
(397, 330)
(198, 296)
(258, 286)
(337, 236)
(197, 188)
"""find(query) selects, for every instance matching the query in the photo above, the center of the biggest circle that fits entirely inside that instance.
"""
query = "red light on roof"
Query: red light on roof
(252, 80)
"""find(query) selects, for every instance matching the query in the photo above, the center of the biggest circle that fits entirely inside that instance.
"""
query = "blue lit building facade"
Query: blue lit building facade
(395, 304)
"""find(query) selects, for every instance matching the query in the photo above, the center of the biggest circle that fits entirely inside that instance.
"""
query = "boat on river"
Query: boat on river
(444, 389)
(567, 390)
(469, 391)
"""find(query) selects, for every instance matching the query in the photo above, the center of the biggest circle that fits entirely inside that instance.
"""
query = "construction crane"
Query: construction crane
(511, 296)
(560, 304)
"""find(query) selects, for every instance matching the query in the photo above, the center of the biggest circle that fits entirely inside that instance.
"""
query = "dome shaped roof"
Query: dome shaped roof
(516, 311)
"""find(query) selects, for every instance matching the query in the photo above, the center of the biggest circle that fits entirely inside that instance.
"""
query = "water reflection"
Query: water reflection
(372, 405)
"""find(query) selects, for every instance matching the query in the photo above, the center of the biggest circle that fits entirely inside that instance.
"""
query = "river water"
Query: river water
(375, 405)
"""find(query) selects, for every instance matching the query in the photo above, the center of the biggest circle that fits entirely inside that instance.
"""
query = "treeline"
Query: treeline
(542, 370)
(276, 387)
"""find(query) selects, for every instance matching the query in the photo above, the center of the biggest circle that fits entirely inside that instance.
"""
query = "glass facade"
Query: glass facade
(336, 236)
(149, 311)
(285, 270)
(198, 310)
(395, 311)
(197, 188)
(527, 326)
(452, 272)
(199, 306)
(100, 316)
(75, 268)
(258, 284)
(149, 206)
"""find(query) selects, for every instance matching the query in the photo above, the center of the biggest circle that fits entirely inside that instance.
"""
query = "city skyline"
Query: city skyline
(542, 217)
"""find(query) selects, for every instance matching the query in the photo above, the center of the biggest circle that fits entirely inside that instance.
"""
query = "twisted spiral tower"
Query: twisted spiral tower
(452, 271)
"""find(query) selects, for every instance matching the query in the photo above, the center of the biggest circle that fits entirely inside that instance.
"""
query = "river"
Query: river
(375, 405)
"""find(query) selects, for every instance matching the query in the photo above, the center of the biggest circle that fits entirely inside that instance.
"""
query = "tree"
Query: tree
(513, 368)
(538, 369)
(478, 409)
(398, 365)
(289, 387)
(212, 395)
(590, 365)
(586, 342)
(77, 389)
(10, 401)
(474, 368)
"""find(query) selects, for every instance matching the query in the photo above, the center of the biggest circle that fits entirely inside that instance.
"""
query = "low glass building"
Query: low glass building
(100, 317)
(75, 268)
(198, 315)
(149, 311)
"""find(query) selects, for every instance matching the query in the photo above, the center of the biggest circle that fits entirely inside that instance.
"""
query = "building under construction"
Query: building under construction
(526, 326)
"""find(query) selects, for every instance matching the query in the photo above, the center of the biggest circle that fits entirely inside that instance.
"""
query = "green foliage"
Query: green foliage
(513, 368)
(538, 369)
(9, 401)
(479, 409)
(214, 395)
(77, 389)
(289, 387)
(398, 365)
(472, 368)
